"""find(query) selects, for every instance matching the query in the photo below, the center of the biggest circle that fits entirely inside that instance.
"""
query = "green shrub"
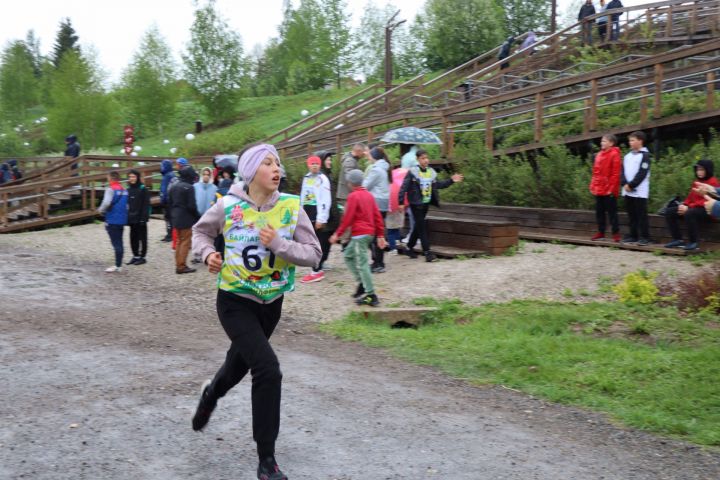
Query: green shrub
(637, 287)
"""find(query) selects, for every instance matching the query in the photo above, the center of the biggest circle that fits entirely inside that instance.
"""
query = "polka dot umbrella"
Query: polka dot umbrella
(411, 135)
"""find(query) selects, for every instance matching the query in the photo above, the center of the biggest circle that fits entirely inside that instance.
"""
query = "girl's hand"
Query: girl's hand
(333, 239)
(319, 226)
(214, 262)
(458, 177)
(682, 209)
(267, 235)
(381, 242)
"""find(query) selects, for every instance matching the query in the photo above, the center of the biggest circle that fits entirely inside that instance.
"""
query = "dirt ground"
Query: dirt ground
(101, 374)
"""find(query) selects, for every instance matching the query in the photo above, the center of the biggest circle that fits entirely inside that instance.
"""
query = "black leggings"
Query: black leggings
(378, 254)
(420, 230)
(637, 215)
(249, 325)
(693, 217)
(138, 239)
(606, 204)
(324, 238)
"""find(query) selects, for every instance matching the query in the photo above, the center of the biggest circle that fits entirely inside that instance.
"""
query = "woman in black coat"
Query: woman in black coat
(138, 215)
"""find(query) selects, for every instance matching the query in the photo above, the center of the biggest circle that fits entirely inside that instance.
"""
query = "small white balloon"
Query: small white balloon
(166, 141)
(137, 148)
(189, 136)
(133, 154)
(17, 129)
(122, 151)
(304, 113)
(173, 150)
(141, 163)
(115, 165)
(325, 107)
(339, 125)
(26, 144)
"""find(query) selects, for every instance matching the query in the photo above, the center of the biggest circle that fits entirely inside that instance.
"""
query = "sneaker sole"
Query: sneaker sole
(313, 280)
(205, 384)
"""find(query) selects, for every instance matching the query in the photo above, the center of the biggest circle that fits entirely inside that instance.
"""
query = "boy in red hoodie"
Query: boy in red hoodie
(605, 186)
(365, 222)
(692, 209)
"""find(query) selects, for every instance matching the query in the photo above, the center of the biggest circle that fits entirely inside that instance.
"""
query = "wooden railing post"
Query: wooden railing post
(643, 105)
(586, 116)
(45, 208)
(338, 146)
(693, 19)
(309, 148)
(370, 134)
(92, 195)
(83, 194)
(593, 105)
(5, 209)
(657, 108)
(710, 104)
(488, 128)
(538, 117)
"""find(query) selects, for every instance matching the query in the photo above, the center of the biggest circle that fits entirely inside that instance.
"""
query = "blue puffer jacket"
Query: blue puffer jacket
(166, 168)
(117, 213)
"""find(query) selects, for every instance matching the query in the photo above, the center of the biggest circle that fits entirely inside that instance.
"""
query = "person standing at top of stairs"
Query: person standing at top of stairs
(587, 10)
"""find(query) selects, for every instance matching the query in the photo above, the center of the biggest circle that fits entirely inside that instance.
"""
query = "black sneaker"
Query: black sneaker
(205, 407)
(140, 261)
(430, 257)
(167, 238)
(268, 470)
(378, 269)
(643, 242)
(359, 292)
(675, 244)
(370, 300)
(133, 261)
(411, 253)
(629, 239)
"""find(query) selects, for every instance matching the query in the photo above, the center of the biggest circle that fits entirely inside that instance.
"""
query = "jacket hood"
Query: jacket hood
(238, 190)
(71, 138)
(708, 166)
(187, 174)
(139, 182)
(4, 167)
(166, 166)
(383, 164)
(12, 163)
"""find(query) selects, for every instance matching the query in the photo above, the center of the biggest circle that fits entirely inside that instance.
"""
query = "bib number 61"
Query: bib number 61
(252, 261)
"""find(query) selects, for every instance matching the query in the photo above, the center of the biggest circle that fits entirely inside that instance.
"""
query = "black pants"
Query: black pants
(138, 239)
(606, 204)
(116, 239)
(602, 31)
(378, 254)
(420, 230)
(324, 238)
(249, 325)
(693, 217)
(168, 223)
(637, 213)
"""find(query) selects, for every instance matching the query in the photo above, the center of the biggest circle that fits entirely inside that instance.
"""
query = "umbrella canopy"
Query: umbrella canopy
(223, 161)
(411, 135)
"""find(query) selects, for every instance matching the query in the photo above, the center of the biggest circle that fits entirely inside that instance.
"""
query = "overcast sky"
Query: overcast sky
(114, 28)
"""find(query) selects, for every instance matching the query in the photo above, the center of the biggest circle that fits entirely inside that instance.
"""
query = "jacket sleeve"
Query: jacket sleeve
(440, 184)
(304, 249)
(106, 201)
(324, 200)
(371, 180)
(206, 229)
(379, 223)
(349, 216)
(614, 179)
(191, 203)
(404, 188)
(145, 205)
(642, 171)
(347, 165)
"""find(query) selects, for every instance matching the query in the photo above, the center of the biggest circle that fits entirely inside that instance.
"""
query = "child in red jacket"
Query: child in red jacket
(605, 185)
(692, 209)
(365, 222)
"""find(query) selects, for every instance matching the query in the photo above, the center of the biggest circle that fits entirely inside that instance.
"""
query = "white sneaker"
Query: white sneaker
(406, 239)
(113, 269)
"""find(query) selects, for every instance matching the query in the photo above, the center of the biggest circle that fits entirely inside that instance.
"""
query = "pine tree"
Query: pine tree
(66, 40)
(336, 38)
(18, 85)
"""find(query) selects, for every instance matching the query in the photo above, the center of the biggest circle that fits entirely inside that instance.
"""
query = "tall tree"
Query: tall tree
(66, 40)
(526, 15)
(214, 62)
(370, 40)
(336, 37)
(149, 91)
(19, 88)
(304, 49)
(33, 46)
(79, 102)
(456, 31)
(408, 51)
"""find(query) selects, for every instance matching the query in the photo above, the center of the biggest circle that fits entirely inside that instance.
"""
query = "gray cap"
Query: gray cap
(355, 177)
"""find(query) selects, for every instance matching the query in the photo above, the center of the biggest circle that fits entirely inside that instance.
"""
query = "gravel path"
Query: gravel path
(103, 372)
